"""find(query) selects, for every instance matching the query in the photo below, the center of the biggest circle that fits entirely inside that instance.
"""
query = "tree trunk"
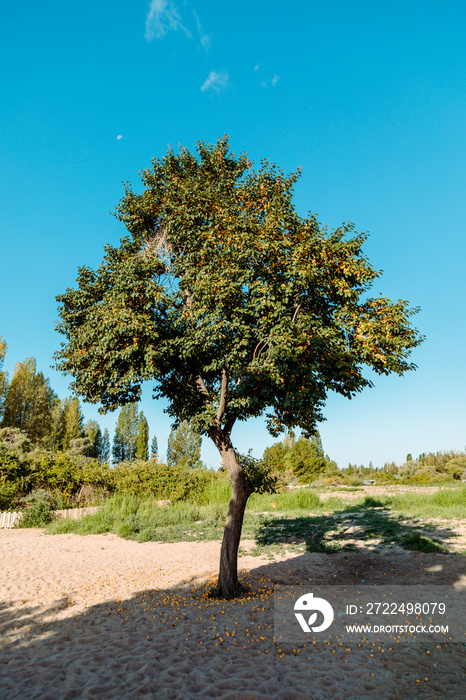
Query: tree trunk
(227, 585)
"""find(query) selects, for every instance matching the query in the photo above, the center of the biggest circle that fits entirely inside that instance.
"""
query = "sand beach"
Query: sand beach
(98, 616)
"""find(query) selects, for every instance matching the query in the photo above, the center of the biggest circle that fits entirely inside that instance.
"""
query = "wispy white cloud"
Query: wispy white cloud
(203, 37)
(257, 66)
(270, 81)
(163, 17)
(215, 81)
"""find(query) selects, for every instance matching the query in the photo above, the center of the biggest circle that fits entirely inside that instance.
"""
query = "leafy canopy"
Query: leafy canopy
(233, 303)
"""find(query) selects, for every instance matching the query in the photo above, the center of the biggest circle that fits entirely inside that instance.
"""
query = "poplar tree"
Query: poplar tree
(184, 446)
(154, 449)
(234, 305)
(104, 457)
(73, 422)
(93, 432)
(3, 377)
(29, 401)
(126, 434)
(142, 440)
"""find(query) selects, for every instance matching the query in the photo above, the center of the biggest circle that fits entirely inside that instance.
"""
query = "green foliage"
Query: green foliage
(3, 377)
(7, 495)
(184, 446)
(416, 542)
(258, 474)
(446, 503)
(13, 475)
(135, 518)
(60, 474)
(145, 479)
(307, 459)
(229, 300)
(73, 420)
(303, 458)
(275, 457)
(235, 306)
(15, 439)
(131, 426)
(93, 432)
(296, 519)
(104, 457)
(457, 467)
(216, 493)
(295, 499)
(142, 440)
(29, 402)
(154, 449)
(37, 509)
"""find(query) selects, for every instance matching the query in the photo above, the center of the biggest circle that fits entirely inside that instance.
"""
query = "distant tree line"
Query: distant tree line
(445, 465)
(29, 404)
(33, 416)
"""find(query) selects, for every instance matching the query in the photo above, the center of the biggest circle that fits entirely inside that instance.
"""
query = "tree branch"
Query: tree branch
(296, 311)
(229, 423)
(201, 385)
(223, 396)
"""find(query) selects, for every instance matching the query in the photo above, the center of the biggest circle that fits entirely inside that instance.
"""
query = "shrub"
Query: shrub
(7, 495)
(160, 481)
(37, 509)
(258, 474)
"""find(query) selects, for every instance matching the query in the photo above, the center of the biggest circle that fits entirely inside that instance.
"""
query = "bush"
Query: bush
(146, 479)
(457, 467)
(37, 509)
(7, 495)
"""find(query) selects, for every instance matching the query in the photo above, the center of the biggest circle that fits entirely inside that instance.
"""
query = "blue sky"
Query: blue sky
(369, 99)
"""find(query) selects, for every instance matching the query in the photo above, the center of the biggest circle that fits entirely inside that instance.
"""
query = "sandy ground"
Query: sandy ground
(102, 617)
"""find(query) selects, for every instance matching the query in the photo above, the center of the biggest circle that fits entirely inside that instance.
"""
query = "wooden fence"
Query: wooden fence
(9, 520)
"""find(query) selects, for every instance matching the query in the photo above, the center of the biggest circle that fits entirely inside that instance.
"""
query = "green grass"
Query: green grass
(416, 542)
(133, 518)
(296, 520)
(297, 499)
(447, 503)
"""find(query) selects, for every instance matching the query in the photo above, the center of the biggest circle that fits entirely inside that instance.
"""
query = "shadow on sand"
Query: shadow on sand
(179, 643)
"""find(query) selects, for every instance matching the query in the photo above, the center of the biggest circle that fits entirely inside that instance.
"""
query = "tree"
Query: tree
(93, 432)
(234, 305)
(104, 456)
(126, 434)
(184, 446)
(142, 440)
(29, 402)
(73, 421)
(307, 458)
(3, 377)
(154, 449)
(275, 457)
